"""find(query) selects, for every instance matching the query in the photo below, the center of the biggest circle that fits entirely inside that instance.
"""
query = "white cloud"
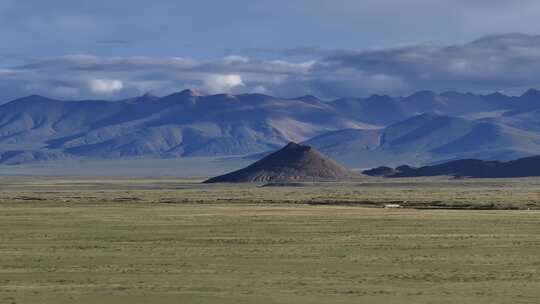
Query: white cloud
(303, 66)
(222, 83)
(105, 86)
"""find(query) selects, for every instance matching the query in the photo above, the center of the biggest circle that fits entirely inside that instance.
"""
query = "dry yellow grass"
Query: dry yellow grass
(520, 193)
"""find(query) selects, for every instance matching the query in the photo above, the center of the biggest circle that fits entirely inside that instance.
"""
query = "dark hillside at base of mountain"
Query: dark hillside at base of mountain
(523, 167)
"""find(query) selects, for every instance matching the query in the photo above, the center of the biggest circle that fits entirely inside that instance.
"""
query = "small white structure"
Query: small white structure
(392, 206)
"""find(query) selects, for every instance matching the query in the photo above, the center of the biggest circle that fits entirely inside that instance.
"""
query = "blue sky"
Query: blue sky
(114, 49)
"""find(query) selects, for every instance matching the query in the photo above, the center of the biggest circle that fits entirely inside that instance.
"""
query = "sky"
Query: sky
(329, 48)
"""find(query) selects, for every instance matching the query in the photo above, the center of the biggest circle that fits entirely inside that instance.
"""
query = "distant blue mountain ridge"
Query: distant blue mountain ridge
(422, 128)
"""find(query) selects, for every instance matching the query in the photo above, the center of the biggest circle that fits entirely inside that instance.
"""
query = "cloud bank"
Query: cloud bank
(507, 62)
(105, 86)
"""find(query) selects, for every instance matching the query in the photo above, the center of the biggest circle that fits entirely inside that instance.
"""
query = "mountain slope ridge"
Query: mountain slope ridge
(293, 162)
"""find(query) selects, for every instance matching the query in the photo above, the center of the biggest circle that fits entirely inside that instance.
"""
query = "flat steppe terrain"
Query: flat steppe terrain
(112, 240)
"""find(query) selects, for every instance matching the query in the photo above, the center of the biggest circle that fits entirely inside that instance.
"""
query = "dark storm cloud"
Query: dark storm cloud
(491, 63)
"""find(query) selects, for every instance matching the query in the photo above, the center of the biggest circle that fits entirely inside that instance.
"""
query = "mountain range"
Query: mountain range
(422, 128)
(429, 138)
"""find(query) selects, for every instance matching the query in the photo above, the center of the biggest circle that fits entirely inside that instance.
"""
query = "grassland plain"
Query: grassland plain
(174, 241)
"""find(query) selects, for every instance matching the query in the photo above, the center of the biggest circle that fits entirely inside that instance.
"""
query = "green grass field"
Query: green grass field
(166, 241)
